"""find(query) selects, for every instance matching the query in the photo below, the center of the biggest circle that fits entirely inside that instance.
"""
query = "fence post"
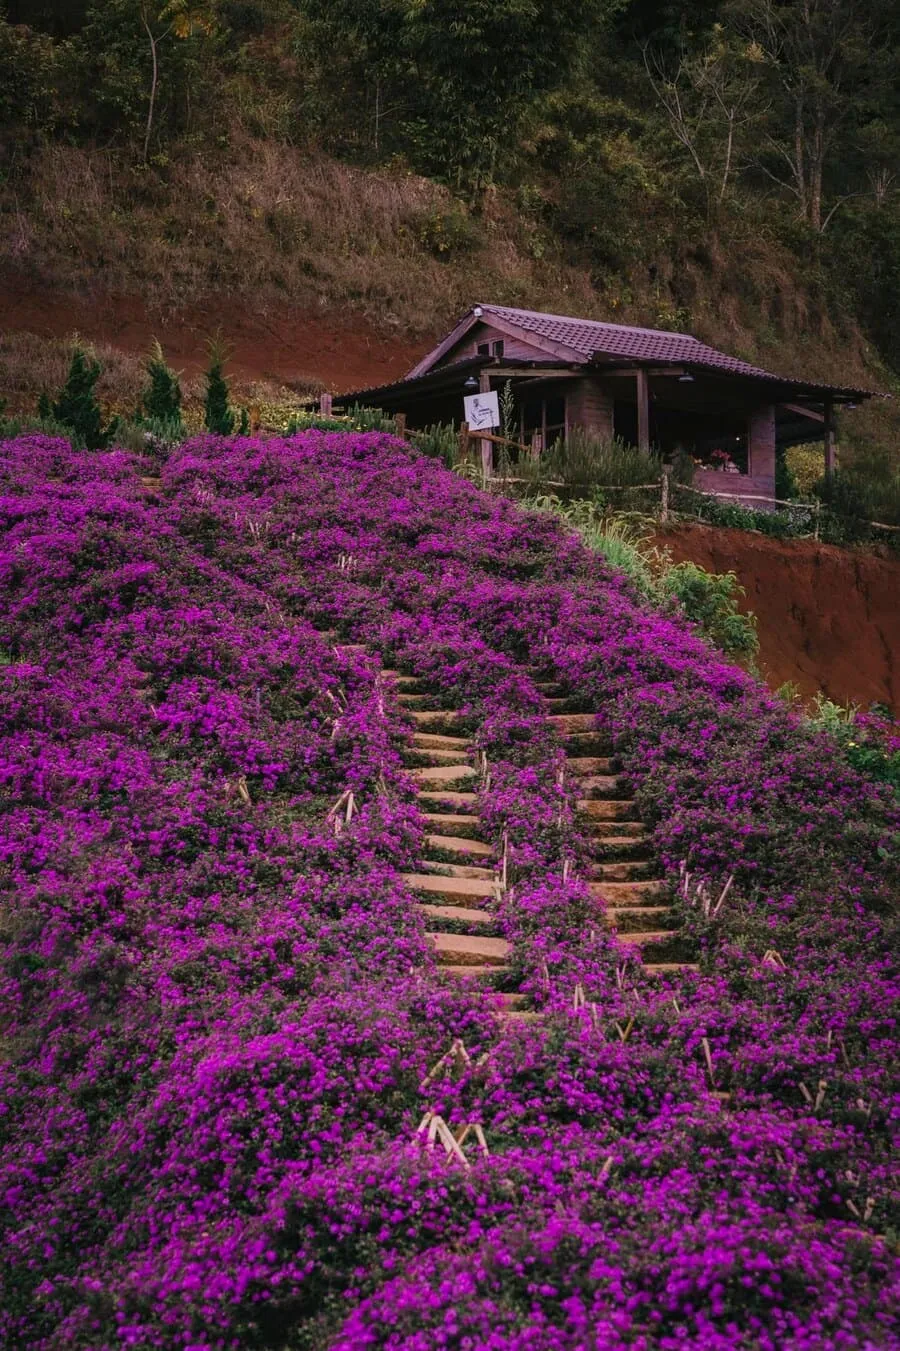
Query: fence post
(463, 442)
(664, 504)
(400, 423)
(325, 405)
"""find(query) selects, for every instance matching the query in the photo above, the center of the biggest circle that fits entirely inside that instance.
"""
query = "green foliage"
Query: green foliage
(708, 599)
(218, 416)
(807, 465)
(711, 600)
(869, 741)
(440, 442)
(585, 459)
(76, 407)
(161, 401)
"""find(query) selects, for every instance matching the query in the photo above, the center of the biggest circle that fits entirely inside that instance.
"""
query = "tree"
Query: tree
(77, 406)
(819, 58)
(181, 18)
(161, 400)
(218, 416)
(710, 98)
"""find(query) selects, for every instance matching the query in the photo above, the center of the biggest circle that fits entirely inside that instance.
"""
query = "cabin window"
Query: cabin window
(497, 348)
(484, 349)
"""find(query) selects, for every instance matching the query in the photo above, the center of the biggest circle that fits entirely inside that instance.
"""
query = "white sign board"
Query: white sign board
(482, 411)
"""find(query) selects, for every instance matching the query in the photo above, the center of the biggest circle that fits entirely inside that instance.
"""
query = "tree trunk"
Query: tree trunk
(816, 169)
(799, 155)
(153, 83)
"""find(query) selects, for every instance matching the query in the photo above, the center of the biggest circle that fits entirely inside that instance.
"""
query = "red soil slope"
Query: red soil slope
(829, 619)
(289, 346)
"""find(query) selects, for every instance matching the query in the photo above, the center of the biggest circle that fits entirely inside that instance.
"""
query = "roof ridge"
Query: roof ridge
(576, 319)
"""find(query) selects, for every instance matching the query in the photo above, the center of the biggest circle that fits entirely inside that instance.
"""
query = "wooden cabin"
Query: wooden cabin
(649, 386)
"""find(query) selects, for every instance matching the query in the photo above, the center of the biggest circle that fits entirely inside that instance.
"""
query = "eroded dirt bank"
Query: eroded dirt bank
(829, 618)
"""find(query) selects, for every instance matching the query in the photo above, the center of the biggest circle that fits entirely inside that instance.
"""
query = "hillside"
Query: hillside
(412, 938)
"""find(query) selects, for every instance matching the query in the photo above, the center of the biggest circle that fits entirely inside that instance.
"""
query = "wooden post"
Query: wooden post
(487, 448)
(325, 405)
(643, 410)
(664, 505)
(463, 442)
(830, 447)
(400, 423)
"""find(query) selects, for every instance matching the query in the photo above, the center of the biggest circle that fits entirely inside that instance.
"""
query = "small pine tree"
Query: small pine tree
(77, 407)
(217, 415)
(161, 400)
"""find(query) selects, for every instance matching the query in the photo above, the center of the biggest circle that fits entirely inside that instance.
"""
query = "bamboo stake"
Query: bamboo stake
(457, 1054)
(708, 1055)
(578, 1001)
(725, 891)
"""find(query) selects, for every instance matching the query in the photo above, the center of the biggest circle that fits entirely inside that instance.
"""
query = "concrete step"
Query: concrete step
(461, 913)
(424, 757)
(522, 1015)
(609, 808)
(551, 688)
(434, 741)
(573, 722)
(589, 764)
(453, 888)
(439, 797)
(459, 823)
(435, 776)
(405, 682)
(458, 844)
(471, 870)
(418, 699)
(470, 949)
(628, 893)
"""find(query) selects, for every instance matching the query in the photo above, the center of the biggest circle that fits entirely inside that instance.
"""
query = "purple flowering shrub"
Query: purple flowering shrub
(220, 1006)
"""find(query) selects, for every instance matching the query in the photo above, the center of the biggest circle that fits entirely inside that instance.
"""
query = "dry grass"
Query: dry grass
(272, 226)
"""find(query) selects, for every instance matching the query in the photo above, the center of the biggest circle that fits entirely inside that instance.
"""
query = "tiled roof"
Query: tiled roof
(590, 338)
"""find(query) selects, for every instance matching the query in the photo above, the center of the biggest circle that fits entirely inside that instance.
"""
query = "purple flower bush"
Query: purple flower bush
(220, 1006)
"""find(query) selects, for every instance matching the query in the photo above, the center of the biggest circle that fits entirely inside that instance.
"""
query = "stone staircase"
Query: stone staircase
(621, 874)
(457, 881)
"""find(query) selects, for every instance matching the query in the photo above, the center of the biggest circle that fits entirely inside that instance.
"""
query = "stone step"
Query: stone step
(664, 968)
(628, 918)
(586, 743)
(522, 1015)
(468, 972)
(458, 844)
(472, 950)
(628, 892)
(609, 808)
(350, 647)
(439, 869)
(573, 722)
(451, 887)
(435, 776)
(463, 914)
(418, 699)
(439, 797)
(589, 764)
(603, 831)
(460, 823)
(434, 719)
(621, 871)
(549, 687)
(433, 741)
(562, 703)
(398, 678)
(425, 757)
(602, 785)
(638, 937)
